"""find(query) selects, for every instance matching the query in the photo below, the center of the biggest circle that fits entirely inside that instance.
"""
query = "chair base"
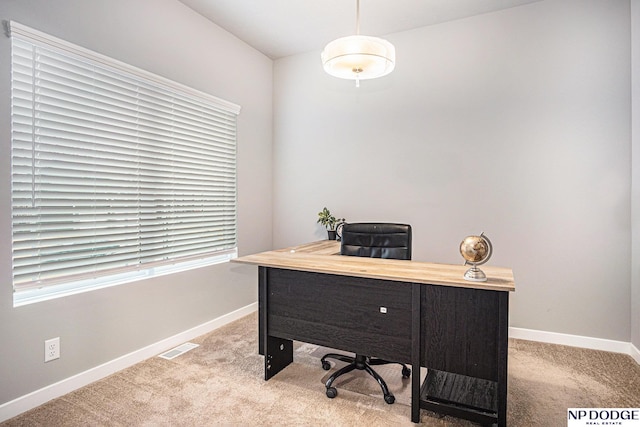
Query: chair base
(362, 363)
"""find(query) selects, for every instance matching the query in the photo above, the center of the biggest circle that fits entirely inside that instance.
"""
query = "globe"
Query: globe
(476, 250)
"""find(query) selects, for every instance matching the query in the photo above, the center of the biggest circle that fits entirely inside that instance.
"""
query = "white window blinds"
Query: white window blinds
(113, 169)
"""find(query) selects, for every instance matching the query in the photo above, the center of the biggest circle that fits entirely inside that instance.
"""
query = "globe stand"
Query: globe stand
(474, 274)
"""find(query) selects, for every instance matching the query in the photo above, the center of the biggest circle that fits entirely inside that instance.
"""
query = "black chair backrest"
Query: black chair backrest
(376, 240)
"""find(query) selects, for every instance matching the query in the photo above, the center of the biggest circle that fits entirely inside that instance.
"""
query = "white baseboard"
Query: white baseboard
(29, 401)
(635, 353)
(576, 341)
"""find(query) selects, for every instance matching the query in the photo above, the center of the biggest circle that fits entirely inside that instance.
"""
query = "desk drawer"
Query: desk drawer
(341, 312)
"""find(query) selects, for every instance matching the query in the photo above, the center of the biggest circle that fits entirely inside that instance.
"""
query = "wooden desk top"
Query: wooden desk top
(318, 257)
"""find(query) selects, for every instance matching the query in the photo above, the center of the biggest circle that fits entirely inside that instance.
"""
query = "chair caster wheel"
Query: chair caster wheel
(332, 392)
(389, 399)
(326, 365)
(406, 372)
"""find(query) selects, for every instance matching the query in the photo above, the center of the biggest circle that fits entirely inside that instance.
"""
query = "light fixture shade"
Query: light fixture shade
(359, 57)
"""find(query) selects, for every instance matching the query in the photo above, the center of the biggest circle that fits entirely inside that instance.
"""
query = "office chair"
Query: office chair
(374, 240)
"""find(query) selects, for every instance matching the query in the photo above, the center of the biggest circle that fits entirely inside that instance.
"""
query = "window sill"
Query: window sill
(31, 296)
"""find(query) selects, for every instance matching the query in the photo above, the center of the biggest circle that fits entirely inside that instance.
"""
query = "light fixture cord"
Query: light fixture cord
(358, 17)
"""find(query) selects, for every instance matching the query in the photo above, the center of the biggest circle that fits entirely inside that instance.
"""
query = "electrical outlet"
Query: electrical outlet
(52, 349)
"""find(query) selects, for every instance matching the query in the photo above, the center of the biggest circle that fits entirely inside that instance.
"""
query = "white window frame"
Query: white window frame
(153, 160)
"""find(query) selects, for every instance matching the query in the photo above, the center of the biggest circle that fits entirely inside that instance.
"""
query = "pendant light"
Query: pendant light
(358, 57)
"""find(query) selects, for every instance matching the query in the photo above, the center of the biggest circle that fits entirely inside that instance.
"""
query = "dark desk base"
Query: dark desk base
(459, 334)
(461, 396)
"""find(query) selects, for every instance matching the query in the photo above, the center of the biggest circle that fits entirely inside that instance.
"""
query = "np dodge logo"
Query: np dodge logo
(628, 417)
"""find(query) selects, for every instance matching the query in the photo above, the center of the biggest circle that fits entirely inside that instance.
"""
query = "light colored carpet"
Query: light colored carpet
(221, 383)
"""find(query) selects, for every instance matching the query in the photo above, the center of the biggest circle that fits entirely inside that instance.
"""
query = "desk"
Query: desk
(434, 318)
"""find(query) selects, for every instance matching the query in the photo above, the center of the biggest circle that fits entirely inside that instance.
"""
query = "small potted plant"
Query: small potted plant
(329, 221)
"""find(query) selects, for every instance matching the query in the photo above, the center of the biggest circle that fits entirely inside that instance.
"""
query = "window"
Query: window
(116, 173)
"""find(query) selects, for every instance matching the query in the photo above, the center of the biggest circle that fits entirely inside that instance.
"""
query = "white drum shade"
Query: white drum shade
(359, 57)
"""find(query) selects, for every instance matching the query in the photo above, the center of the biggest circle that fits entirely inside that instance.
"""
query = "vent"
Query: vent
(181, 349)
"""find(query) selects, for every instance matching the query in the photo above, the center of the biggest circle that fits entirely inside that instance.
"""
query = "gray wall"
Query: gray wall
(167, 38)
(635, 217)
(515, 123)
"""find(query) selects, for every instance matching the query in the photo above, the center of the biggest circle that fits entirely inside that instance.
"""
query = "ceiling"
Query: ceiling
(281, 28)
